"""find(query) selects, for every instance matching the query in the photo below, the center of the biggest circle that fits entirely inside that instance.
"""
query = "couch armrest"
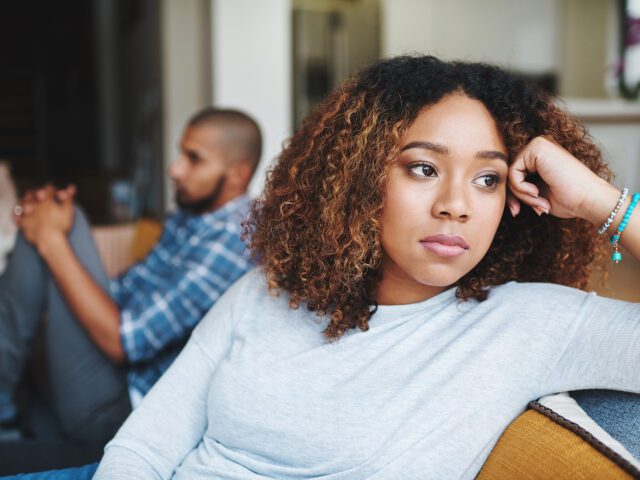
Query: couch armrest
(541, 444)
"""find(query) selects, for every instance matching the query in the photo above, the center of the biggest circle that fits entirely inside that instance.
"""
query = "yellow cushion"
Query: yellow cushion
(145, 237)
(534, 447)
(122, 245)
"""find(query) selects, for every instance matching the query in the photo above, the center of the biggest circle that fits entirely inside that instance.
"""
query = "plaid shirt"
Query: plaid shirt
(163, 297)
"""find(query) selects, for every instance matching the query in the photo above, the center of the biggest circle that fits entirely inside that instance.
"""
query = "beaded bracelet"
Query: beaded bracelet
(615, 239)
(614, 212)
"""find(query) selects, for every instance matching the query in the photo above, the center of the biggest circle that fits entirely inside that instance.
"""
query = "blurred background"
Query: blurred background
(96, 92)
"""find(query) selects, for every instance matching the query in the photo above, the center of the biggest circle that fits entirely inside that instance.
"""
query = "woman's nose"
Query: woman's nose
(452, 203)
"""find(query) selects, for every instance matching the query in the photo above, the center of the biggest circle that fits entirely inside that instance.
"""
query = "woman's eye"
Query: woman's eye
(488, 181)
(423, 170)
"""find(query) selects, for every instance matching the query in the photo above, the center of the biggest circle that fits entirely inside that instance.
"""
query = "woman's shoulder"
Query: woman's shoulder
(537, 288)
(538, 296)
(249, 309)
(248, 294)
(253, 282)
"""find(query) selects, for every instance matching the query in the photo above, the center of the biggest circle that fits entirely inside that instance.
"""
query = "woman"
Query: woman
(422, 243)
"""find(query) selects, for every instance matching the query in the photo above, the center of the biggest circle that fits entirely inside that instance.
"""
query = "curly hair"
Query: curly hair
(316, 229)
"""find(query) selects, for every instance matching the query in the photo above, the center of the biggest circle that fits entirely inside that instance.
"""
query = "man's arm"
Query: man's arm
(164, 312)
(46, 226)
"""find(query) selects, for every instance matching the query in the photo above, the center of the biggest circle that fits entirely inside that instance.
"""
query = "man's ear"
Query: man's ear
(240, 174)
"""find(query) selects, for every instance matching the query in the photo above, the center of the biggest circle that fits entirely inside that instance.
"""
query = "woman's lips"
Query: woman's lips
(445, 245)
(443, 250)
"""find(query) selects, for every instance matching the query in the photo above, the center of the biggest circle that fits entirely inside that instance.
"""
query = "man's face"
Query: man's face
(199, 172)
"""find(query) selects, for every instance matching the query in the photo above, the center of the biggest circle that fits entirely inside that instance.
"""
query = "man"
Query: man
(106, 344)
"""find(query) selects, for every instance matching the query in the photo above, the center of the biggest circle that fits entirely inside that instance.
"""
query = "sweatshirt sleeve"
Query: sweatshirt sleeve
(172, 419)
(603, 350)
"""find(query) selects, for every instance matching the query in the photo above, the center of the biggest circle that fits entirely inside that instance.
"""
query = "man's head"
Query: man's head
(219, 152)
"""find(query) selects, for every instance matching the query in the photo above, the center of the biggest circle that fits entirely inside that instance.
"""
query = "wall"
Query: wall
(252, 68)
(186, 70)
(585, 39)
(518, 33)
(237, 53)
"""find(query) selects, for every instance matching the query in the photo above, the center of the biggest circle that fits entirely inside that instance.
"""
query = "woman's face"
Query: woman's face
(445, 197)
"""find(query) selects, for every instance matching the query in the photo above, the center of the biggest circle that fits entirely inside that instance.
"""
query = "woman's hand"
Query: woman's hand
(568, 188)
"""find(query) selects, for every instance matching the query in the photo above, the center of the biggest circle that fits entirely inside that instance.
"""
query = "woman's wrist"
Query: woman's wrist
(601, 201)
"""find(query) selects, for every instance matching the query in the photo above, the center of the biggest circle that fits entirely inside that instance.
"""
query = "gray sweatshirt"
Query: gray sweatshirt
(425, 393)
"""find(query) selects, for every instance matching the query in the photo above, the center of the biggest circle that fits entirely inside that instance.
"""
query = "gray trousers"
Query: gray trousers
(86, 392)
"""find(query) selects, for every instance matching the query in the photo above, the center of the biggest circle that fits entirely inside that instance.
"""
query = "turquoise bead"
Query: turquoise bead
(617, 256)
(627, 215)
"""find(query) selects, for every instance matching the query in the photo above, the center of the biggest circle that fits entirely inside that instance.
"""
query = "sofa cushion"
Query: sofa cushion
(541, 444)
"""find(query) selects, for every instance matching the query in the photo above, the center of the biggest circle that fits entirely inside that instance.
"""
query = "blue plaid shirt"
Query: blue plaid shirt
(163, 297)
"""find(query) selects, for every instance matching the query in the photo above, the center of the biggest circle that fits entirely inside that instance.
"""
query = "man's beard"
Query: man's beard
(198, 207)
